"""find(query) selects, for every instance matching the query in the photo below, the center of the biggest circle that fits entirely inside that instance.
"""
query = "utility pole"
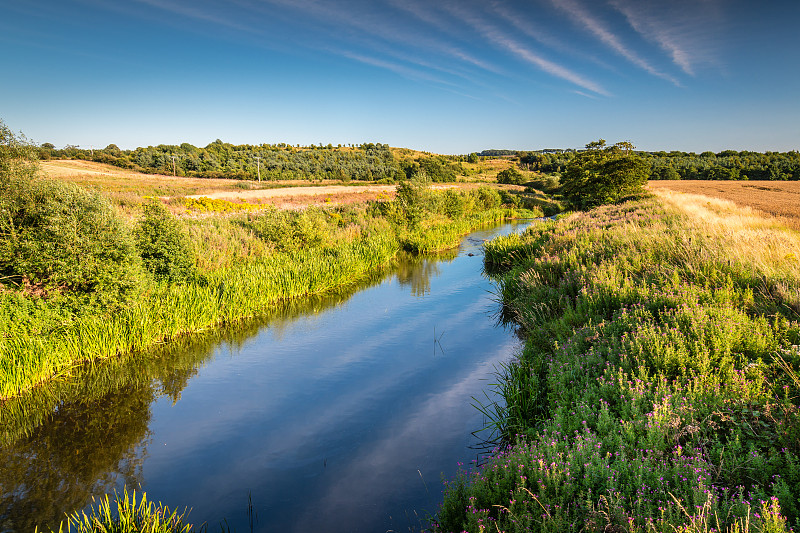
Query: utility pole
(173, 156)
(258, 166)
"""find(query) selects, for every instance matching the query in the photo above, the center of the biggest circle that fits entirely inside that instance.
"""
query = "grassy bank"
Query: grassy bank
(231, 267)
(658, 389)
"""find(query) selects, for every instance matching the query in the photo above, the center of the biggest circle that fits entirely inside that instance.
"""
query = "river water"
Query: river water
(338, 414)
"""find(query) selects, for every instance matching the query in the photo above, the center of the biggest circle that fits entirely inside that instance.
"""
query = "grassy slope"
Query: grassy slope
(658, 389)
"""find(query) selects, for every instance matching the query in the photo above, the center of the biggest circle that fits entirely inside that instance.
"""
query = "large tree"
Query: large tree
(603, 174)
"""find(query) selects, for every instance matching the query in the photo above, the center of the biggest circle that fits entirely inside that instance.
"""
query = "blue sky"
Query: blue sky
(444, 76)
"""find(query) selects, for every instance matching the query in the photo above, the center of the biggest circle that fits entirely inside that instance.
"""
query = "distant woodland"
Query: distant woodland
(378, 162)
(727, 165)
(366, 162)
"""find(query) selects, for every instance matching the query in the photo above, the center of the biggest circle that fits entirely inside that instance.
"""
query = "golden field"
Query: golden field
(780, 199)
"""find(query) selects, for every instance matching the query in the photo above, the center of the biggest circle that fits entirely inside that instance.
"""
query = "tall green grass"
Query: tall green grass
(127, 514)
(657, 390)
(167, 310)
(245, 265)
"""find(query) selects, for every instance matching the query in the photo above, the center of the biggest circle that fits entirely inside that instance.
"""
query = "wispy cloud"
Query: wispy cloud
(402, 70)
(360, 21)
(198, 13)
(526, 26)
(683, 31)
(442, 24)
(499, 38)
(581, 93)
(336, 26)
(523, 23)
(583, 18)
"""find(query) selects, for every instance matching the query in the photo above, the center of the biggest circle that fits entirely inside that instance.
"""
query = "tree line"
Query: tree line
(365, 162)
(675, 165)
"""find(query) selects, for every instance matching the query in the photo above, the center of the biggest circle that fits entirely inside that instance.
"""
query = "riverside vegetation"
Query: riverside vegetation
(82, 279)
(658, 389)
(80, 282)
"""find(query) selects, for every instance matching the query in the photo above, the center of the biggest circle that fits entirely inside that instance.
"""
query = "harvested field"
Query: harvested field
(780, 199)
(126, 187)
(115, 180)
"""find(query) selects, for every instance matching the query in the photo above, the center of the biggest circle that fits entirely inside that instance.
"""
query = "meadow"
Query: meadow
(658, 389)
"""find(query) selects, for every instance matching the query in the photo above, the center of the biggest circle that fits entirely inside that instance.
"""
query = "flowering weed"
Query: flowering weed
(658, 387)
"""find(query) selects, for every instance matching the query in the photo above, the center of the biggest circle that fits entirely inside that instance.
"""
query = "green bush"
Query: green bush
(453, 204)
(546, 184)
(511, 176)
(488, 198)
(59, 236)
(289, 231)
(162, 245)
(411, 200)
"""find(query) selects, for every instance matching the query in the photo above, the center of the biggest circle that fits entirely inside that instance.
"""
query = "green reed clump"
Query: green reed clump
(657, 390)
(127, 514)
(168, 310)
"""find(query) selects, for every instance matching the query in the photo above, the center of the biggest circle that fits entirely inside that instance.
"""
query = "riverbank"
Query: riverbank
(242, 265)
(313, 406)
(658, 388)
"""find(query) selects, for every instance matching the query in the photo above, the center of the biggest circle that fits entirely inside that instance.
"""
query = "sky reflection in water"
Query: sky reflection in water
(343, 418)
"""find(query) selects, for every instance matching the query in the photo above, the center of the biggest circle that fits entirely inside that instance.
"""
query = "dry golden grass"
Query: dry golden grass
(488, 169)
(745, 236)
(127, 187)
(777, 198)
(112, 179)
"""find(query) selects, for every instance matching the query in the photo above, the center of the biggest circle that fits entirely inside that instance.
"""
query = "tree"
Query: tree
(601, 175)
(510, 176)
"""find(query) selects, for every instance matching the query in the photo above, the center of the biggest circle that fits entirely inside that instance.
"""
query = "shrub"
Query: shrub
(511, 176)
(289, 231)
(411, 200)
(547, 184)
(488, 198)
(162, 245)
(453, 204)
(17, 157)
(510, 199)
(59, 236)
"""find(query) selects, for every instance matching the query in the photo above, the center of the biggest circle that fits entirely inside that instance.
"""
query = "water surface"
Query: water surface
(339, 414)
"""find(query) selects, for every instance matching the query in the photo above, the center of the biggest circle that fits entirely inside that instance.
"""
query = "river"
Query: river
(338, 414)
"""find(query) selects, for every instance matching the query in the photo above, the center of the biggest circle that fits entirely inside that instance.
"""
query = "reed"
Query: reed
(220, 297)
(127, 514)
